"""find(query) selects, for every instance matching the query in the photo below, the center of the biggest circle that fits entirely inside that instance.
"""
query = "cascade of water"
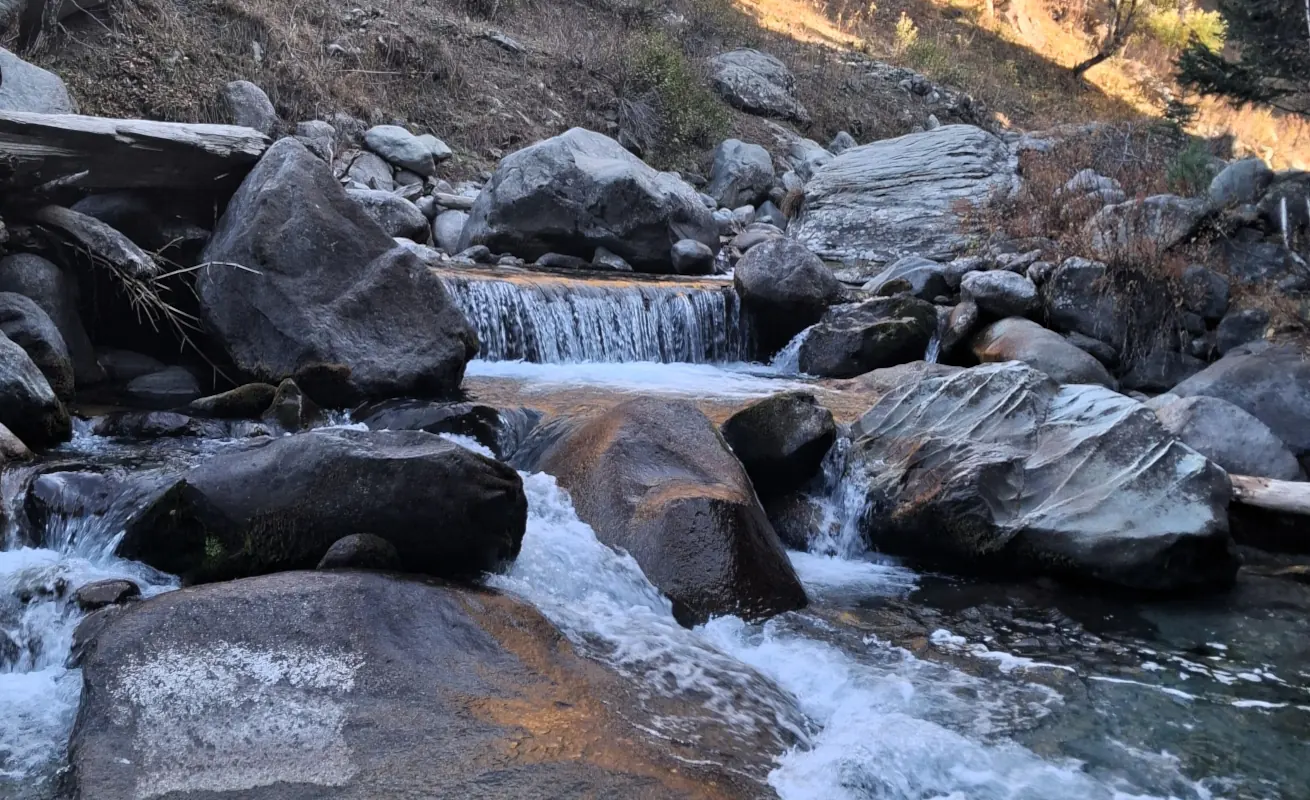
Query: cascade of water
(1282, 220)
(934, 349)
(556, 320)
(788, 359)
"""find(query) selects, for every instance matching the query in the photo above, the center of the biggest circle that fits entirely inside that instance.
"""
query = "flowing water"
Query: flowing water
(892, 685)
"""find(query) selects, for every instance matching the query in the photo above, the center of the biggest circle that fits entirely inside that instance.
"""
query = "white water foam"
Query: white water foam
(869, 721)
(729, 380)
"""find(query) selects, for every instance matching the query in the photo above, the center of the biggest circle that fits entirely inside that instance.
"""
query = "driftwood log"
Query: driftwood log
(98, 154)
(1289, 497)
(457, 202)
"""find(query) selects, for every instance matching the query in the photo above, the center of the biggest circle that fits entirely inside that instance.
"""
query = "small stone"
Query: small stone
(842, 142)
(105, 593)
(562, 261)
(401, 148)
(438, 149)
(291, 408)
(249, 107)
(168, 388)
(447, 228)
(1239, 327)
(361, 551)
(604, 259)
(244, 402)
(12, 448)
(478, 253)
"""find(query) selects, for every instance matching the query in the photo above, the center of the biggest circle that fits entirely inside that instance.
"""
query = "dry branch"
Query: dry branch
(1289, 497)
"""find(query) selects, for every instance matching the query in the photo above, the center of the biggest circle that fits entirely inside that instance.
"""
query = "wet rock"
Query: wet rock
(168, 388)
(291, 409)
(921, 277)
(690, 257)
(561, 261)
(1000, 293)
(742, 174)
(1230, 437)
(785, 288)
(9, 651)
(781, 440)
(29, 327)
(396, 215)
(1078, 299)
(281, 505)
(27, 87)
(340, 292)
(12, 448)
(99, 594)
(960, 325)
(1160, 370)
(244, 402)
(1241, 326)
(480, 422)
(888, 199)
(559, 195)
(249, 107)
(1018, 339)
(1205, 292)
(853, 339)
(796, 518)
(121, 366)
(1241, 182)
(1141, 229)
(145, 425)
(46, 285)
(478, 254)
(401, 148)
(361, 551)
(955, 270)
(654, 477)
(1272, 385)
(358, 684)
(745, 240)
(611, 262)
(998, 469)
(28, 406)
(447, 229)
(757, 83)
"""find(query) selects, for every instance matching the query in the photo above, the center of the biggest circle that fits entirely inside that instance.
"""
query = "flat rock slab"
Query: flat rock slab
(358, 685)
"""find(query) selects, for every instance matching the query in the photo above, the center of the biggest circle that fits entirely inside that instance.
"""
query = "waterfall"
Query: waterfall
(934, 349)
(1282, 220)
(551, 319)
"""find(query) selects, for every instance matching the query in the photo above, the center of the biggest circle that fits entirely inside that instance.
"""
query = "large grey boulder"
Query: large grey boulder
(757, 83)
(1230, 437)
(581, 190)
(1240, 326)
(997, 469)
(338, 685)
(31, 328)
(249, 107)
(368, 169)
(329, 287)
(1160, 370)
(1271, 383)
(393, 213)
(1078, 298)
(851, 340)
(785, 288)
(28, 406)
(1018, 339)
(1261, 263)
(27, 87)
(401, 148)
(805, 157)
(781, 440)
(449, 512)
(922, 277)
(1241, 182)
(1000, 293)
(688, 257)
(56, 293)
(1205, 292)
(654, 477)
(742, 174)
(1140, 230)
(897, 197)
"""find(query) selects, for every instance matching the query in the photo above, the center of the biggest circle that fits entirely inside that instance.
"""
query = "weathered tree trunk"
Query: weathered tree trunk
(1289, 497)
(40, 149)
(1079, 69)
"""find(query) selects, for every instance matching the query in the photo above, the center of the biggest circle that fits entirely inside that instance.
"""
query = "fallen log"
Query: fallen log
(1289, 497)
(457, 202)
(96, 153)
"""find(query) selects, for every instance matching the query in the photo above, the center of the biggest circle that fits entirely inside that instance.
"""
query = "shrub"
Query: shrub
(1188, 173)
(1175, 27)
(687, 115)
(907, 33)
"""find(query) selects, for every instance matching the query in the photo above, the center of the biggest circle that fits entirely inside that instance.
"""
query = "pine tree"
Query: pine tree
(1268, 58)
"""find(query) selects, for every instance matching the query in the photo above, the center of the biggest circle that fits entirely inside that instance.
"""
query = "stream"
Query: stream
(892, 684)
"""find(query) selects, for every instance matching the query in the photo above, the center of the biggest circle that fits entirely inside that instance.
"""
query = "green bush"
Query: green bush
(1175, 27)
(1189, 172)
(689, 115)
